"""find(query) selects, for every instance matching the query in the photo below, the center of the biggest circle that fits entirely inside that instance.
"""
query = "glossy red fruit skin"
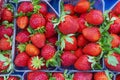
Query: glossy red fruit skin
(43, 9)
(116, 9)
(100, 76)
(114, 28)
(22, 37)
(50, 31)
(4, 44)
(50, 16)
(78, 52)
(1, 78)
(82, 76)
(58, 76)
(21, 60)
(94, 17)
(82, 63)
(25, 7)
(37, 21)
(53, 40)
(91, 34)
(118, 77)
(48, 51)
(37, 76)
(114, 68)
(13, 78)
(70, 46)
(69, 26)
(115, 40)
(38, 39)
(69, 8)
(68, 58)
(8, 31)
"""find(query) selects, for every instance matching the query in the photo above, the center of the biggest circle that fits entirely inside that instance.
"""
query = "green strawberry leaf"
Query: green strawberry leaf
(36, 6)
(15, 1)
(20, 14)
(112, 60)
(117, 50)
(9, 7)
(5, 52)
(22, 47)
(3, 58)
(109, 75)
(68, 39)
(7, 24)
(62, 44)
(40, 30)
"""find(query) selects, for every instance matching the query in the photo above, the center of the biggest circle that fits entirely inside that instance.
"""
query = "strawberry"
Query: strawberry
(115, 41)
(38, 40)
(1, 78)
(32, 50)
(92, 49)
(118, 77)
(116, 9)
(69, 25)
(25, 7)
(94, 31)
(21, 60)
(7, 15)
(13, 78)
(48, 51)
(82, 63)
(82, 76)
(37, 21)
(58, 76)
(81, 41)
(82, 6)
(78, 52)
(43, 9)
(53, 40)
(71, 46)
(22, 22)
(35, 63)
(69, 8)
(94, 17)
(100, 76)
(114, 28)
(50, 16)
(50, 31)
(68, 58)
(22, 37)
(37, 76)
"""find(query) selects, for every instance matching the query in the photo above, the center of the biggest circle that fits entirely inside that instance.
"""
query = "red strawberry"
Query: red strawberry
(58, 76)
(69, 8)
(21, 60)
(78, 52)
(71, 46)
(68, 58)
(37, 21)
(7, 15)
(118, 77)
(38, 40)
(53, 40)
(115, 41)
(35, 63)
(13, 78)
(50, 16)
(92, 49)
(22, 37)
(37, 76)
(25, 7)
(82, 76)
(116, 9)
(114, 28)
(94, 17)
(48, 51)
(22, 22)
(69, 26)
(82, 7)
(82, 63)
(1, 78)
(92, 34)
(43, 9)
(100, 76)
(82, 41)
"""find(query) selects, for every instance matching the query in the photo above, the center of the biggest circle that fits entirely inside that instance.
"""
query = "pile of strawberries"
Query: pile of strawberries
(9, 78)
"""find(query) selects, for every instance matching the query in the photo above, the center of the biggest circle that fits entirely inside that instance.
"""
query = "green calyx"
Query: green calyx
(68, 76)
(36, 6)
(109, 74)
(9, 7)
(37, 62)
(22, 47)
(5, 52)
(7, 24)
(9, 39)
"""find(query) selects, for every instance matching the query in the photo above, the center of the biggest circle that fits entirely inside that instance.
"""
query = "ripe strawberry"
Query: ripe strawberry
(22, 22)
(53, 40)
(115, 41)
(38, 40)
(50, 16)
(58, 76)
(21, 60)
(37, 76)
(32, 50)
(69, 26)
(7, 15)
(37, 21)
(81, 41)
(13, 78)
(78, 52)
(116, 9)
(1, 78)
(43, 9)
(94, 17)
(35, 63)
(68, 58)
(92, 49)
(92, 34)
(71, 46)
(100, 76)
(48, 51)
(82, 76)
(111, 67)
(50, 31)
(114, 28)
(118, 77)
(5, 44)
(82, 7)
(25, 7)
(22, 37)
(82, 63)
(69, 8)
